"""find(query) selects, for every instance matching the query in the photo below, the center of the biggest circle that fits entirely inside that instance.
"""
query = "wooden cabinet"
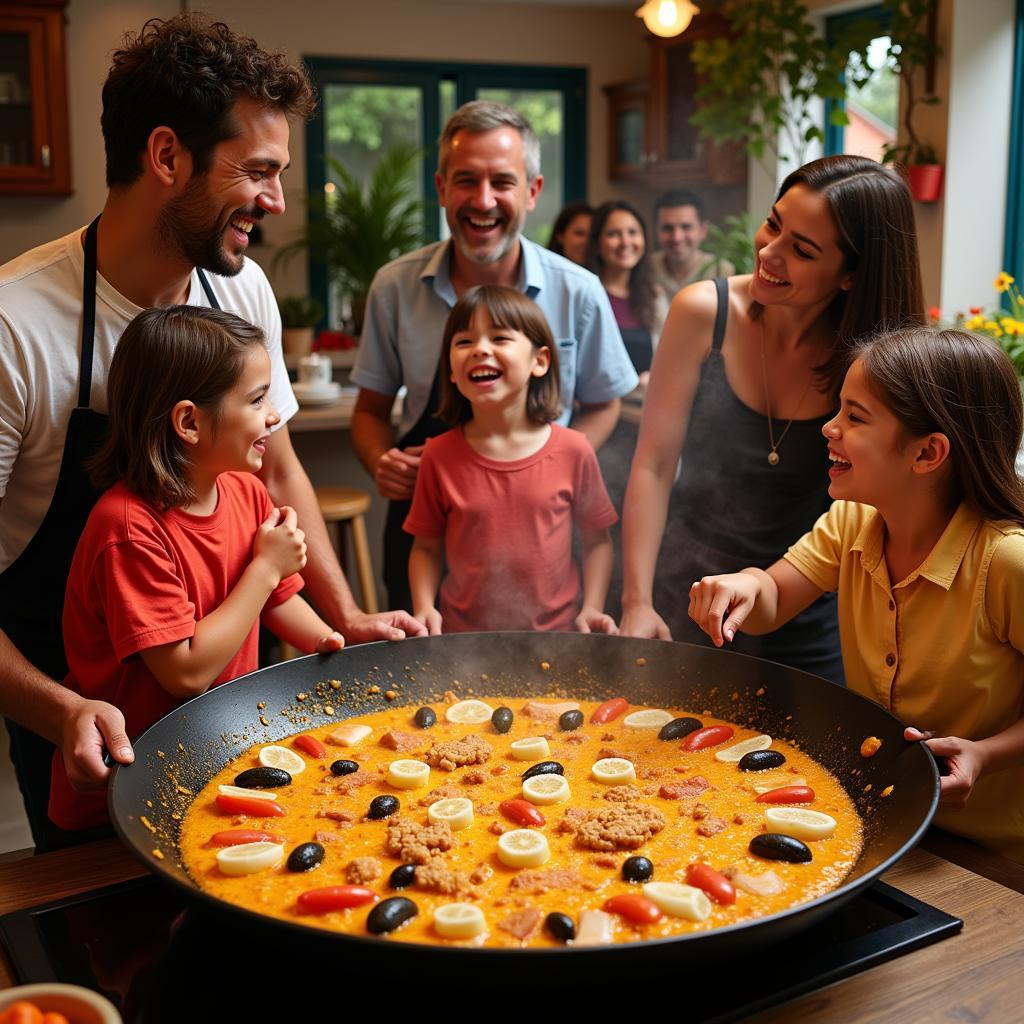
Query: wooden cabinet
(651, 138)
(35, 154)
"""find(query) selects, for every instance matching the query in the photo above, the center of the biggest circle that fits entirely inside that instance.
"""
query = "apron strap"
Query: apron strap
(88, 315)
(208, 288)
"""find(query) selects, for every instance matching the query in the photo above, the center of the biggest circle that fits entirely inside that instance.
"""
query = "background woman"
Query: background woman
(571, 231)
(746, 375)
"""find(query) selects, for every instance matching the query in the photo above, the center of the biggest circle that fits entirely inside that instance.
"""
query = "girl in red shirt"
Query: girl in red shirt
(185, 553)
(497, 496)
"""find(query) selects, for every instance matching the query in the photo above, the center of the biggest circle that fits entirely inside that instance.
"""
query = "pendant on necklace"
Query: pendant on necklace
(773, 458)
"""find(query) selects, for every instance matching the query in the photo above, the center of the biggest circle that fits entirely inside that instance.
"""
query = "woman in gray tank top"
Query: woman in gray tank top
(746, 373)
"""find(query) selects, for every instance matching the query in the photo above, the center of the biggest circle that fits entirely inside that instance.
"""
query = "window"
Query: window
(1013, 244)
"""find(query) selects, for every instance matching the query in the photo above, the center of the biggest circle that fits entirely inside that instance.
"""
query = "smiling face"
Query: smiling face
(621, 243)
(798, 259)
(492, 364)
(574, 238)
(485, 193)
(209, 220)
(680, 233)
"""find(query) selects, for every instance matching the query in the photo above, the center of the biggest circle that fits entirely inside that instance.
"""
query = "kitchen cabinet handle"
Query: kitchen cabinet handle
(44, 157)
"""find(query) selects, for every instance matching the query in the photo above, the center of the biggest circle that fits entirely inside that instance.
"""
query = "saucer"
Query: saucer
(317, 394)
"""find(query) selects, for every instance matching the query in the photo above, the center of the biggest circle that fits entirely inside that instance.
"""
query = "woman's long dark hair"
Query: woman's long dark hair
(957, 384)
(568, 214)
(643, 289)
(875, 218)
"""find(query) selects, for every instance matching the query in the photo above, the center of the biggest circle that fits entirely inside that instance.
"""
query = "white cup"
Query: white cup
(315, 370)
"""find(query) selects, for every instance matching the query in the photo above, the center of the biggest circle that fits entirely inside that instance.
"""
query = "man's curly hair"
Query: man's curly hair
(187, 72)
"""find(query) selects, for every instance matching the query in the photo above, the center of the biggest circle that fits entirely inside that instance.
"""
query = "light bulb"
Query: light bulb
(667, 17)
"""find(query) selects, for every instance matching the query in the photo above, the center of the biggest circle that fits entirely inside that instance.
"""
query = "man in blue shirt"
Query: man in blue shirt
(488, 179)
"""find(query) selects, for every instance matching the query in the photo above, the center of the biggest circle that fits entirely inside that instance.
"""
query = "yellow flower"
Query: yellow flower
(993, 328)
(1003, 281)
(974, 323)
(1006, 322)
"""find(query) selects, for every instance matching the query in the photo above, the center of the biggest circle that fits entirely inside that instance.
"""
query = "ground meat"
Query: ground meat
(606, 860)
(609, 752)
(521, 923)
(737, 819)
(651, 773)
(474, 778)
(712, 825)
(684, 790)
(623, 827)
(434, 876)
(347, 783)
(416, 844)
(622, 794)
(328, 837)
(607, 737)
(699, 812)
(496, 828)
(441, 793)
(456, 753)
(404, 741)
(499, 769)
(362, 870)
(486, 809)
(538, 881)
(571, 820)
(576, 737)
(481, 873)
(323, 791)
(337, 814)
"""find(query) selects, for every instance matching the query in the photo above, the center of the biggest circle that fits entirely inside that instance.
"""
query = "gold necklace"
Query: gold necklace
(773, 453)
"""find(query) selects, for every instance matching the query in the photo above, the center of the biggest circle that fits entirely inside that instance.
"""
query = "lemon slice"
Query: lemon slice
(532, 748)
(408, 774)
(459, 921)
(766, 784)
(456, 810)
(649, 718)
(800, 823)
(546, 789)
(255, 794)
(469, 712)
(282, 757)
(613, 771)
(679, 900)
(523, 848)
(738, 750)
(249, 858)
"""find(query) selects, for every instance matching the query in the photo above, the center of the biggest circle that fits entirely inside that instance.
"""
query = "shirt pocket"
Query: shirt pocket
(566, 376)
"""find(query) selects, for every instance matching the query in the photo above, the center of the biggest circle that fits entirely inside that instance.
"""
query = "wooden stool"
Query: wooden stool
(341, 505)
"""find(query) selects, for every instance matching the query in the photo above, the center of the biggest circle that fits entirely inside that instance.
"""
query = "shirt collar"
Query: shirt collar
(437, 272)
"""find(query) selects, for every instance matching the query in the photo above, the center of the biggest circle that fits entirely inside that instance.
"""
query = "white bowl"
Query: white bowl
(79, 1005)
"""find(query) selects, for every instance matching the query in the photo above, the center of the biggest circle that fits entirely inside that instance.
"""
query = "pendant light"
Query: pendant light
(667, 17)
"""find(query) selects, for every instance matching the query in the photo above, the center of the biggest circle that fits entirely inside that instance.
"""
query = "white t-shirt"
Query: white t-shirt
(40, 346)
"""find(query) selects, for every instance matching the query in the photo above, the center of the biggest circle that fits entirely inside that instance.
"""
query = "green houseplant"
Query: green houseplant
(299, 315)
(356, 229)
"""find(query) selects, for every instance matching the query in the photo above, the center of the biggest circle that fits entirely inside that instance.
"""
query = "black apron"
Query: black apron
(32, 586)
(398, 543)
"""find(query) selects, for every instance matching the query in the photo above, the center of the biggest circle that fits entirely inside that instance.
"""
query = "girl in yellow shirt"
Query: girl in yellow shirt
(925, 546)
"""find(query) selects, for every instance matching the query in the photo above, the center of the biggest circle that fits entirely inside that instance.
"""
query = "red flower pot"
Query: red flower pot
(925, 181)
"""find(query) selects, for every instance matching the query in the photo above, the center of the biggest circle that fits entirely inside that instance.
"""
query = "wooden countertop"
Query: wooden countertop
(973, 976)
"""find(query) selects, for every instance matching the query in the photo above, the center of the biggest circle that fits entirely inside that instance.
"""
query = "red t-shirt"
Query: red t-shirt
(141, 578)
(507, 529)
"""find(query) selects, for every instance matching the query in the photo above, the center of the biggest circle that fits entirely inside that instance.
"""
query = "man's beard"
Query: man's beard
(184, 226)
(485, 257)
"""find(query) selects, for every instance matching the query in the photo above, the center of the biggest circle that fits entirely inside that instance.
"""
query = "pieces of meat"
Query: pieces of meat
(474, 778)
(622, 794)
(575, 737)
(337, 814)
(712, 825)
(328, 837)
(441, 793)
(547, 710)
(623, 827)
(571, 820)
(363, 870)
(436, 876)
(349, 783)
(538, 881)
(684, 790)
(416, 844)
(457, 753)
(521, 923)
(403, 741)
(610, 752)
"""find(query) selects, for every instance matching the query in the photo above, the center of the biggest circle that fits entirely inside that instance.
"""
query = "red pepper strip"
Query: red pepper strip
(713, 882)
(241, 836)
(335, 897)
(787, 795)
(310, 745)
(522, 812)
(701, 739)
(250, 805)
(609, 709)
(638, 909)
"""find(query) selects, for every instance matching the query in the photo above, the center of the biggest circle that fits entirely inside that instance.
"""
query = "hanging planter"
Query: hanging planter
(925, 182)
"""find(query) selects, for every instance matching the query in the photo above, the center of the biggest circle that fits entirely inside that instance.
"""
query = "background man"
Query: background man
(680, 226)
(488, 179)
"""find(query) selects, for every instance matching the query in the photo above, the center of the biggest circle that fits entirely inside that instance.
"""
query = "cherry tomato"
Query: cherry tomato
(310, 745)
(253, 806)
(709, 737)
(241, 836)
(335, 897)
(53, 1017)
(787, 795)
(22, 1012)
(714, 883)
(522, 812)
(609, 709)
(638, 909)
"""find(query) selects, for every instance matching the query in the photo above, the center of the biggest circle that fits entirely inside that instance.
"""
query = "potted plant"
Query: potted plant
(299, 315)
(355, 230)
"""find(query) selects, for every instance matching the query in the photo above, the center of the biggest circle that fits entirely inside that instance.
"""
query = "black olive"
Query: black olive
(383, 807)
(425, 718)
(544, 768)
(560, 926)
(305, 857)
(344, 767)
(389, 914)
(761, 760)
(570, 720)
(678, 728)
(637, 869)
(263, 778)
(774, 846)
(403, 876)
(502, 720)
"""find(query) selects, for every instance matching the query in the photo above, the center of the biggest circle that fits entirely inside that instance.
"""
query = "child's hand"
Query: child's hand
(281, 543)
(644, 622)
(431, 618)
(396, 471)
(720, 604)
(591, 620)
(966, 765)
(332, 642)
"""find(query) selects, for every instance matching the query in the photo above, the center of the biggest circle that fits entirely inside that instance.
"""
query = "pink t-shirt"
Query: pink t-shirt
(507, 529)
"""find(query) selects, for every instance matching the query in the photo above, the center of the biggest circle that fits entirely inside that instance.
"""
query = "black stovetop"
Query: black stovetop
(149, 952)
